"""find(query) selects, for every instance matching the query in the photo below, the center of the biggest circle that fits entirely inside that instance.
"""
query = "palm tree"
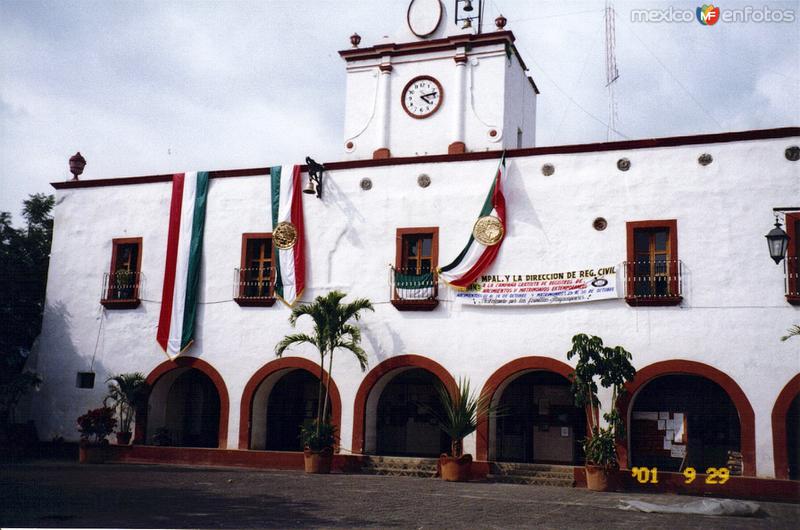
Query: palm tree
(794, 331)
(331, 332)
(126, 393)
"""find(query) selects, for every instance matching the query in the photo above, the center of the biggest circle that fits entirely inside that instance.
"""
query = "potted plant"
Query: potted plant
(318, 443)
(458, 418)
(95, 426)
(332, 331)
(126, 394)
(612, 368)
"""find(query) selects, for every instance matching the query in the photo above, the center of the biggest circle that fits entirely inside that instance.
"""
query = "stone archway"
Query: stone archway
(746, 416)
(253, 408)
(162, 380)
(783, 421)
(369, 394)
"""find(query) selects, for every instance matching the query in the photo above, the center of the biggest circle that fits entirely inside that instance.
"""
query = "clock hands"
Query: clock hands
(426, 96)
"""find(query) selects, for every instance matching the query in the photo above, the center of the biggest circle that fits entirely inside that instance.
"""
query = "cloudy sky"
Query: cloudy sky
(159, 87)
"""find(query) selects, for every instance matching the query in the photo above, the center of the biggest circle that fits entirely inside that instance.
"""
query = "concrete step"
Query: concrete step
(531, 480)
(534, 474)
(400, 466)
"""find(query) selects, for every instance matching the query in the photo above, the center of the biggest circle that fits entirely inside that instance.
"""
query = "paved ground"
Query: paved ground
(66, 494)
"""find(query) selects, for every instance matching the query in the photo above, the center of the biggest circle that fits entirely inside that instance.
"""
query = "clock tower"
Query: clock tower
(439, 86)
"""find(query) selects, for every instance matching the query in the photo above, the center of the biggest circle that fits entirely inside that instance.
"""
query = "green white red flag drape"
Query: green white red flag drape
(287, 209)
(187, 214)
(476, 257)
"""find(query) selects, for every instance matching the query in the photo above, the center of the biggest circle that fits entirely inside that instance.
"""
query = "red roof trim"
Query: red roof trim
(649, 143)
(447, 43)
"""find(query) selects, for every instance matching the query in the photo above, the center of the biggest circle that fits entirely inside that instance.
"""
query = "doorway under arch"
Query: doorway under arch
(280, 397)
(538, 421)
(391, 413)
(699, 420)
(786, 431)
(648, 374)
(189, 414)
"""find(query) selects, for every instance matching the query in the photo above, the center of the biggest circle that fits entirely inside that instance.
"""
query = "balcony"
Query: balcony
(254, 287)
(120, 290)
(413, 291)
(653, 283)
(792, 279)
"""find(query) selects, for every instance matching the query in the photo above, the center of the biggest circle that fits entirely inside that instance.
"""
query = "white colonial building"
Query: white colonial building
(660, 243)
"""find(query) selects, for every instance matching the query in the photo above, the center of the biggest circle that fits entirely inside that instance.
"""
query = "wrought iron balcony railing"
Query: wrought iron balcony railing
(413, 290)
(120, 289)
(254, 287)
(653, 283)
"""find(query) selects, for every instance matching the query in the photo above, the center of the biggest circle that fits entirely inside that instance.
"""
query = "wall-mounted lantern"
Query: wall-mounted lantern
(777, 241)
(314, 185)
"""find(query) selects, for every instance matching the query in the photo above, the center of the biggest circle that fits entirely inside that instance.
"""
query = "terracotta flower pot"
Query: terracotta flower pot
(455, 469)
(123, 438)
(89, 453)
(598, 478)
(318, 462)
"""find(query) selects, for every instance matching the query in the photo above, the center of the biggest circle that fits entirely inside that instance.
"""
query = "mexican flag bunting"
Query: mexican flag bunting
(288, 235)
(484, 242)
(187, 214)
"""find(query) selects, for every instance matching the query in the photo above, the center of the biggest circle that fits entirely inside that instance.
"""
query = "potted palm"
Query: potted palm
(126, 394)
(95, 426)
(458, 418)
(332, 331)
(612, 368)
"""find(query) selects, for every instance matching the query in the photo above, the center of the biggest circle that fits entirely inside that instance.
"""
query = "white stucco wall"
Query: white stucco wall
(731, 317)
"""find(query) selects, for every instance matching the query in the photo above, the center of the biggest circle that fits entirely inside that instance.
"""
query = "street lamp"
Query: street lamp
(777, 241)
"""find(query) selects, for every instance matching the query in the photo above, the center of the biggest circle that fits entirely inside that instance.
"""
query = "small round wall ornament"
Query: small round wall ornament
(792, 153)
(488, 230)
(548, 169)
(366, 184)
(284, 235)
(423, 181)
(705, 159)
(600, 224)
(623, 164)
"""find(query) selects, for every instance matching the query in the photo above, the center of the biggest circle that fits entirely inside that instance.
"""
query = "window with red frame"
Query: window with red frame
(793, 258)
(653, 269)
(125, 274)
(257, 271)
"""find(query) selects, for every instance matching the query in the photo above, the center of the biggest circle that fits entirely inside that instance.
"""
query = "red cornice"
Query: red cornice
(447, 43)
(649, 143)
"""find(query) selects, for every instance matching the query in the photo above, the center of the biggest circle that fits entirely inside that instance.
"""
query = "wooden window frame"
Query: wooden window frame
(630, 296)
(417, 305)
(130, 303)
(793, 260)
(250, 301)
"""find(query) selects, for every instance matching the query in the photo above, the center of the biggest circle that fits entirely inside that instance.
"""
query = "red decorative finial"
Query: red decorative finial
(76, 165)
(355, 39)
(500, 22)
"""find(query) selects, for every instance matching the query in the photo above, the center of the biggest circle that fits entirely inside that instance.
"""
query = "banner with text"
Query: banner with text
(586, 285)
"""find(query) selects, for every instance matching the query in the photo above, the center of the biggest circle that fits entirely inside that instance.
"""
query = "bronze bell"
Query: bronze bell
(310, 187)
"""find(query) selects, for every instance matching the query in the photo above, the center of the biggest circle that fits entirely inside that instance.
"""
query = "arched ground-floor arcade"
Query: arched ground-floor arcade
(786, 431)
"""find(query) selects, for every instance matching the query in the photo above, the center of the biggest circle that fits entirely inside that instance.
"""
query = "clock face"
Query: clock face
(422, 96)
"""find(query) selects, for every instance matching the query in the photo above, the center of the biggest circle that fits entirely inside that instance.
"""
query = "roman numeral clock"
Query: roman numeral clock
(422, 96)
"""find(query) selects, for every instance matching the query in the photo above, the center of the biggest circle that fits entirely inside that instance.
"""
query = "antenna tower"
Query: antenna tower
(612, 72)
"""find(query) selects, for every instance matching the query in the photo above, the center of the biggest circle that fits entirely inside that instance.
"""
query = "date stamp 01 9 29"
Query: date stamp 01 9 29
(714, 475)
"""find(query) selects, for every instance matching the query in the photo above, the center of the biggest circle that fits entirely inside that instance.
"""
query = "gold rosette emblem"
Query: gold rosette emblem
(284, 235)
(488, 230)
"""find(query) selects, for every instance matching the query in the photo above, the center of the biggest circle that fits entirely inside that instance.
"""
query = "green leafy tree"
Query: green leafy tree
(612, 368)
(24, 258)
(332, 331)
